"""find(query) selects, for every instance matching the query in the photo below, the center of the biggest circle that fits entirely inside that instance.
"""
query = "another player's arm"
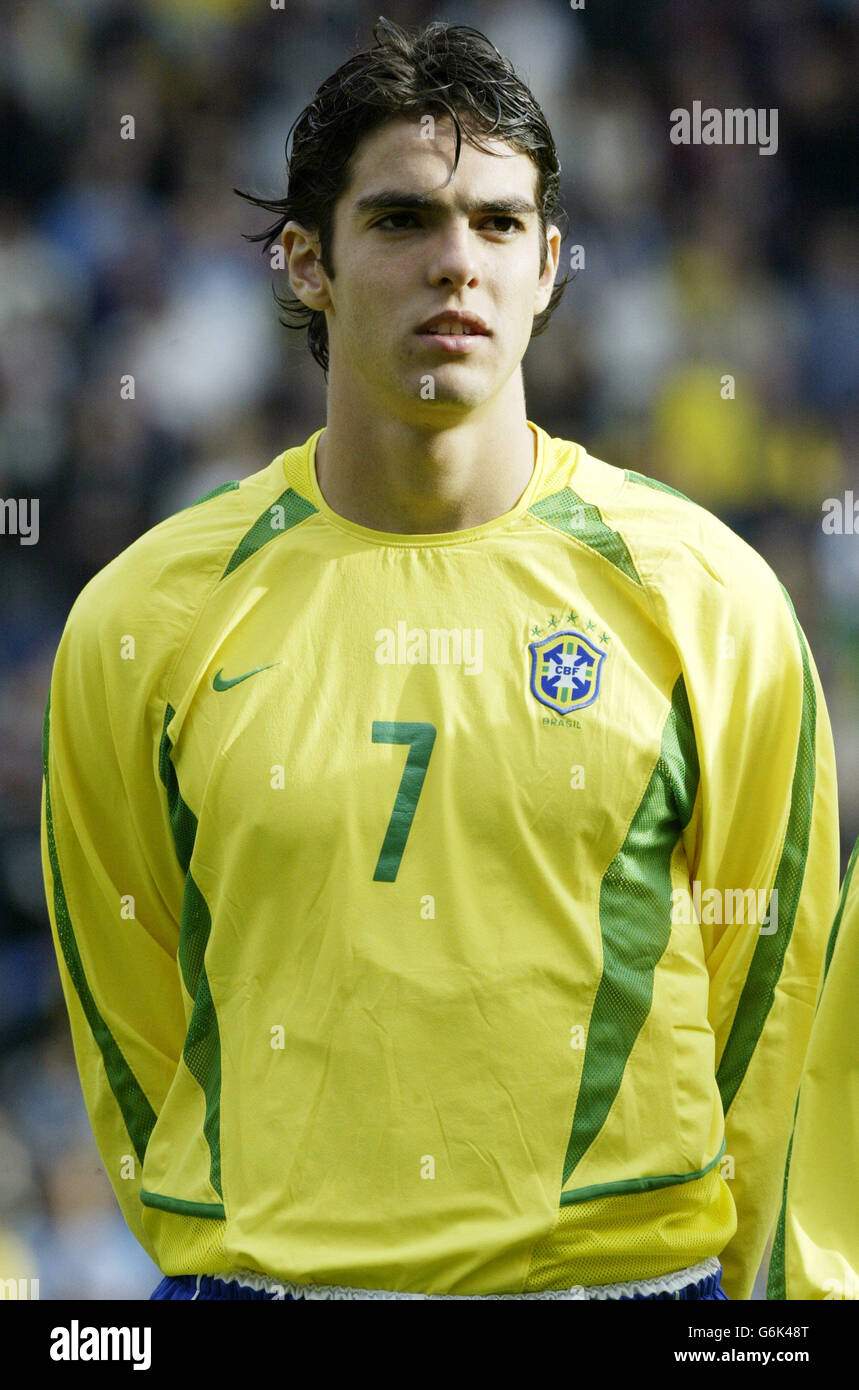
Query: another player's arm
(765, 823)
(113, 885)
(816, 1248)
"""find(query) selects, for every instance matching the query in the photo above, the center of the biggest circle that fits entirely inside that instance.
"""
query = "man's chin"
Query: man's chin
(447, 388)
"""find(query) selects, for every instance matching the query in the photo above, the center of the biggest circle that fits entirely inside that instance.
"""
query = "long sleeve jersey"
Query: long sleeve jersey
(441, 913)
(816, 1250)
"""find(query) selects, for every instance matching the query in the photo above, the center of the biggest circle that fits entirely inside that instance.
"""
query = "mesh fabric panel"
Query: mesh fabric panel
(635, 1236)
(186, 1243)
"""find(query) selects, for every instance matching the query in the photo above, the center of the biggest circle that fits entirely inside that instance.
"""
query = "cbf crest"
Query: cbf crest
(565, 671)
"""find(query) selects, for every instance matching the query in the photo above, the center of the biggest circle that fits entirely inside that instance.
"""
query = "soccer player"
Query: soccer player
(816, 1249)
(440, 824)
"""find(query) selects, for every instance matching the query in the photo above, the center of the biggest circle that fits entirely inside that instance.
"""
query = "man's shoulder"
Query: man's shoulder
(668, 536)
(634, 500)
(165, 576)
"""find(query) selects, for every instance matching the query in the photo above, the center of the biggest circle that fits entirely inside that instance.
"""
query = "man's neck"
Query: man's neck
(403, 478)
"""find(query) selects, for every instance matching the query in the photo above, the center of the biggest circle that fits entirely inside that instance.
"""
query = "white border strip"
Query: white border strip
(666, 1283)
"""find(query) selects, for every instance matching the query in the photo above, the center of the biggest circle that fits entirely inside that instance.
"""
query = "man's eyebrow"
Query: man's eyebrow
(388, 198)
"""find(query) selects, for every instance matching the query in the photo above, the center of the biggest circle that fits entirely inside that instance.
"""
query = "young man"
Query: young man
(385, 788)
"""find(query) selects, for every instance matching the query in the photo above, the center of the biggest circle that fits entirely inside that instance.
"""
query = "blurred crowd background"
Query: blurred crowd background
(125, 256)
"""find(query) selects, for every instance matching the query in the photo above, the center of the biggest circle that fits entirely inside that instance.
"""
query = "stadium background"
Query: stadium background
(126, 256)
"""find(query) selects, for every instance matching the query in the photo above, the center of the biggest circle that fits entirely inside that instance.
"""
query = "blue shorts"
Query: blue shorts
(204, 1286)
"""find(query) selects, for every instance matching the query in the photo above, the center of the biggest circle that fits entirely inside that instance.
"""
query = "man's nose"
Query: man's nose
(453, 258)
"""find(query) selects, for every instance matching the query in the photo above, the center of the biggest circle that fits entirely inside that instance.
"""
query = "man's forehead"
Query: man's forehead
(419, 153)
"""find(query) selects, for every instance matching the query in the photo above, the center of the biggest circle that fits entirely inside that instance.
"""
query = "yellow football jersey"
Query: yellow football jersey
(816, 1250)
(441, 913)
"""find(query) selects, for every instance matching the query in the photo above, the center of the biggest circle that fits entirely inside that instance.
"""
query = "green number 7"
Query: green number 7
(421, 737)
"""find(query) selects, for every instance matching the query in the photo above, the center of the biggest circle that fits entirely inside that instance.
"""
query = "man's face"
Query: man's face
(473, 246)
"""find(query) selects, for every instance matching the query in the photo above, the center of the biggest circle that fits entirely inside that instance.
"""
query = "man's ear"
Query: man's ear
(304, 266)
(546, 283)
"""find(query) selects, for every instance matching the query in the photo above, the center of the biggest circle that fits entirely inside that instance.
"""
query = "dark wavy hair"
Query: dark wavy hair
(442, 69)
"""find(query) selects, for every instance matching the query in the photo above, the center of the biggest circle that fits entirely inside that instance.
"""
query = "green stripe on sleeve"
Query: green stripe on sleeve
(202, 1049)
(845, 889)
(635, 922)
(217, 492)
(289, 509)
(629, 1185)
(210, 1211)
(766, 965)
(568, 512)
(642, 478)
(776, 1272)
(776, 1277)
(137, 1114)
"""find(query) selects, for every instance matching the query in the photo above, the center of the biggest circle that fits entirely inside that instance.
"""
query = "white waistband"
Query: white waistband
(665, 1283)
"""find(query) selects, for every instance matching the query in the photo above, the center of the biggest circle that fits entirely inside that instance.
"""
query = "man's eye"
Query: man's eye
(513, 222)
(392, 217)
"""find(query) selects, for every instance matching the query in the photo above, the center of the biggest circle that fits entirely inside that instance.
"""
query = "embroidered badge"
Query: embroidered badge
(565, 671)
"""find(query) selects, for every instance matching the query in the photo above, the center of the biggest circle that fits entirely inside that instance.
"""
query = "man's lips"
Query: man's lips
(454, 331)
(454, 323)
